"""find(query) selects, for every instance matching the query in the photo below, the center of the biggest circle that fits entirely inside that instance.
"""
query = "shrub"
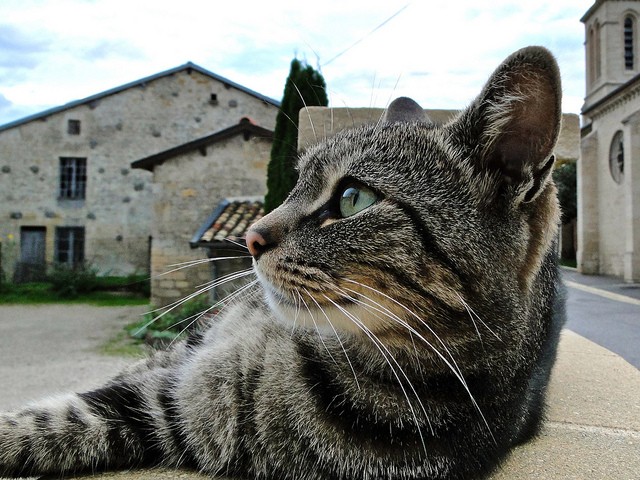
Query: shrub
(71, 282)
(140, 284)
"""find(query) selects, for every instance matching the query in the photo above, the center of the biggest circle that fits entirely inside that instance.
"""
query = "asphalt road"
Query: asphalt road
(605, 311)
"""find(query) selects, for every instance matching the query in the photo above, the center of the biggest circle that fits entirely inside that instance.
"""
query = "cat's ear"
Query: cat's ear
(513, 125)
(406, 110)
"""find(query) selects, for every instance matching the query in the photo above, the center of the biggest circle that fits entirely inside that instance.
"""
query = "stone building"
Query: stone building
(67, 190)
(188, 181)
(609, 169)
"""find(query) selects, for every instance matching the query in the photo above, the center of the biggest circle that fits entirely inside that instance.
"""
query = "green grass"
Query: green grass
(123, 345)
(169, 325)
(155, 329)
(41, 292)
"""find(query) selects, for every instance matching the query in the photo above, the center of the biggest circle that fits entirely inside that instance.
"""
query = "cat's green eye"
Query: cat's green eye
(355, 199)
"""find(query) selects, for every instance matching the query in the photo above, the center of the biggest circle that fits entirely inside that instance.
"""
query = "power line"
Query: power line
(367, 35)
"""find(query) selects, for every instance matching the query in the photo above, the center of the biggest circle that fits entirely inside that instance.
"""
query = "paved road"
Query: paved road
(48, 349)
(605, 311)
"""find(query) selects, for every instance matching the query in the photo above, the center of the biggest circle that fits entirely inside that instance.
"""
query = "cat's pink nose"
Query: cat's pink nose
(256, 243)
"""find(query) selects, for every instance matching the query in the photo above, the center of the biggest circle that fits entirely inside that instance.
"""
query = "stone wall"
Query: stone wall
(115, 130)
(609, 241)
(317, 123)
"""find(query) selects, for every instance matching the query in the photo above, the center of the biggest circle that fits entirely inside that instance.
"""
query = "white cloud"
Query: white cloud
(439, 52)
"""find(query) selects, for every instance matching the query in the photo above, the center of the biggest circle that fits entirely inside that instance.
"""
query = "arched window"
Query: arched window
(591, 56)
(629, 34)
(616, 157)
(598, 66)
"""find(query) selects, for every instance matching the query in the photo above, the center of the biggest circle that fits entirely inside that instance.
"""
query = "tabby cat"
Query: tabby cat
(405, 325)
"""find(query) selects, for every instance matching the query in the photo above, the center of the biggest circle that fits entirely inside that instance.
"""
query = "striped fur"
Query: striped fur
(412, 339)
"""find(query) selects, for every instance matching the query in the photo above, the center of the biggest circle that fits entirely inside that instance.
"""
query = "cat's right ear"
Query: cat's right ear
(513, 125)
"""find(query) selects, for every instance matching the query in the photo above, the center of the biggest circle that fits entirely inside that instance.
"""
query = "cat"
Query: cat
(405, 327)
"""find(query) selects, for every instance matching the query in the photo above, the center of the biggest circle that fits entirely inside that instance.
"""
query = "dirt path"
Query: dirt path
(49, 349)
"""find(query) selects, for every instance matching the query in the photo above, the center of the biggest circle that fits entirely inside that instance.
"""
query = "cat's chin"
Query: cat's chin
(325, 320)
(307, 313)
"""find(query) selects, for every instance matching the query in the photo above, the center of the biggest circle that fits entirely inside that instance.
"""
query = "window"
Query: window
(591, 70)
(73, 178)
(629, 59)
(70, 246)
(593, 54)
(596, 48)
(73, 127)
(616, 157)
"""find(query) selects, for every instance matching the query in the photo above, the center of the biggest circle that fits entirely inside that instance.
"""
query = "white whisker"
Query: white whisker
(382, 348)
(226, 301)
(228, 277)
(306, 108)
(473, 314)
(241, 245)
(227, 298)
(208, 286)
(453, 366)
(192, 263)
(315, 324)
(355, 377)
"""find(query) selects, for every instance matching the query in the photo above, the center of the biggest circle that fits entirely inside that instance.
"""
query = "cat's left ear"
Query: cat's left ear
(513, 125)
(405, 110)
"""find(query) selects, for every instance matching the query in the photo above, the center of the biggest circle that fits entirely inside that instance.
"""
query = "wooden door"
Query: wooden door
(32, 266)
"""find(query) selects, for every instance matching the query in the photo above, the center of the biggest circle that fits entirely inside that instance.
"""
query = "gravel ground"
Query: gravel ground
(64, 339)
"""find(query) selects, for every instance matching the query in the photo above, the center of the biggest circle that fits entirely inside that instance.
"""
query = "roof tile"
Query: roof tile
(230, 221)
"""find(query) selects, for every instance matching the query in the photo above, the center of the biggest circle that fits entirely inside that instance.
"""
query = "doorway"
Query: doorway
(32, 266)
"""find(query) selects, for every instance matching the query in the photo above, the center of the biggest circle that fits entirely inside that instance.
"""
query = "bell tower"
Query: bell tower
(611, 46)
(608, 169)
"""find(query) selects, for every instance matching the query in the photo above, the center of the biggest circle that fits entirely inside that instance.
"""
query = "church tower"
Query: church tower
(609, 166)
(611, 44)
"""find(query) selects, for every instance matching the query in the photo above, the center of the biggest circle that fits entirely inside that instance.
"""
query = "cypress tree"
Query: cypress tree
(565, 177)
(304, 87)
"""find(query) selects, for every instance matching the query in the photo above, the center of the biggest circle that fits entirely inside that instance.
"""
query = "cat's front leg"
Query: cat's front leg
(116, 426)
(56, 435)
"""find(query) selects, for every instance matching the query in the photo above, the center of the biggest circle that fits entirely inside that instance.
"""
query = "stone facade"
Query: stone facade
(106, 132)
(609, 172)
(188, 183)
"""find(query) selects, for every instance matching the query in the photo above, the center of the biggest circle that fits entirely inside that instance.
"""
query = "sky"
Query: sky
(439, 53)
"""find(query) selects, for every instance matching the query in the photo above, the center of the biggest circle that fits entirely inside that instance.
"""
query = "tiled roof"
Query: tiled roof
(230, 220)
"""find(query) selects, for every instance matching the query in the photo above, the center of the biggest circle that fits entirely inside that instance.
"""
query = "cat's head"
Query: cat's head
(410, 226)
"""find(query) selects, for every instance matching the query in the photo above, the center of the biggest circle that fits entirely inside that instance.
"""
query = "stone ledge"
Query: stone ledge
(592, 432)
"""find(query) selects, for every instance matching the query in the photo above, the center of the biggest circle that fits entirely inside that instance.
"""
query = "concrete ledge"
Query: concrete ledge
(593, 427)
(592, 432)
